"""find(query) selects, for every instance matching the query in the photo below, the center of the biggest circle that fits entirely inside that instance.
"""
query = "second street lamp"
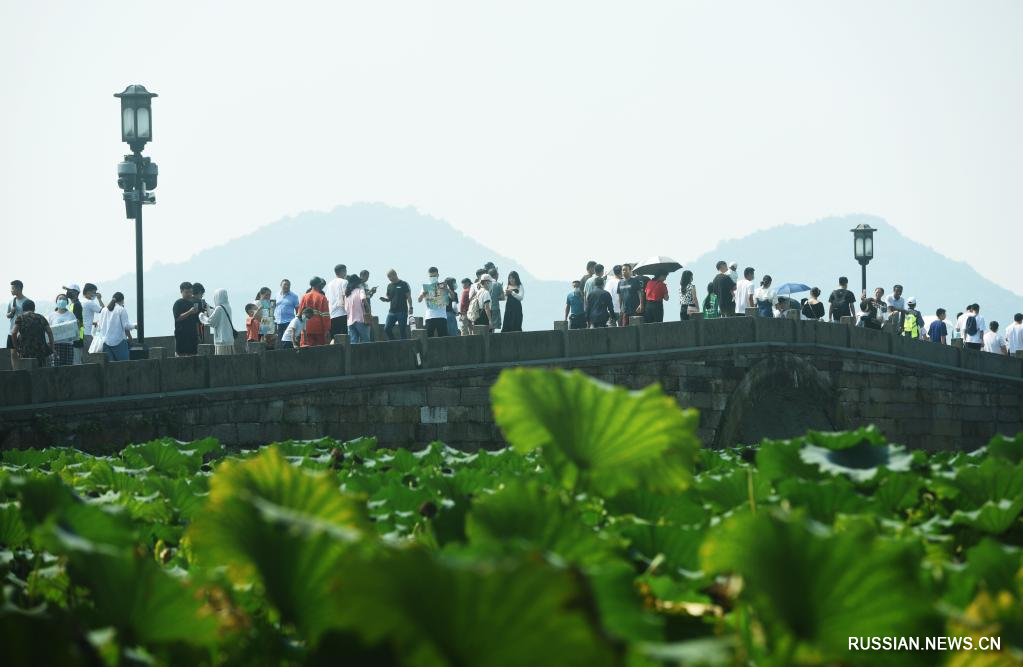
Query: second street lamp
(863, 248)
(136, 175)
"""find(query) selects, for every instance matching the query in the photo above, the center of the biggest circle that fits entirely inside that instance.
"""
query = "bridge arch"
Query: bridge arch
(781, 396)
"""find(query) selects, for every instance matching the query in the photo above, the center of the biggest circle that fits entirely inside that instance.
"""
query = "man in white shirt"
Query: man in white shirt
(611, 287)
(335, 293)
(974, 340)
(992, 341)
(92, 304)
(744, 291)
(896, 300)
(1014, 335)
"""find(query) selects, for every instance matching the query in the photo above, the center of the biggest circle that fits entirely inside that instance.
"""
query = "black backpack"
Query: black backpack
(971, 326)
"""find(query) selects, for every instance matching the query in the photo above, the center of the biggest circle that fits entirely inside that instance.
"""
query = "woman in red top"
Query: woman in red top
(656, 295)
(318, 325)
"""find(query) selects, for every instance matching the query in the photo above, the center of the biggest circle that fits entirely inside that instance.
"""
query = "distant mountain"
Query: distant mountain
(378, 237)
(818, 253)
(375, 237)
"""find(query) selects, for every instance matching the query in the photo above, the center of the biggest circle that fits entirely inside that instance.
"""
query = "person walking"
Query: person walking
(724, 288)
(14, 309)
(1014, 335)
(31, 336)
(993, 343)
(335, 293)
(763, 298)
(812, 308)
(514, 293)
(599, 309)
(744, 289)
(286, 308)
(689, 302)
(317, 327)
(656, 293)
(64, 328)
(399, 300)
(355, 306)
(186, 322)
(221, 322)
(972, 324)
(841, 302)
(938, 331)
(115, 329)
(465, 326)
(575, 307)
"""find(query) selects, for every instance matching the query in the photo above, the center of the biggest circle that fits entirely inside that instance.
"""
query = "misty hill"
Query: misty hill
(375, 237)
(818, 253)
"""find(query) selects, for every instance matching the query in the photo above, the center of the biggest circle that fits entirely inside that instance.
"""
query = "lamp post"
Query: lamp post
(137, 174)
(863, 248)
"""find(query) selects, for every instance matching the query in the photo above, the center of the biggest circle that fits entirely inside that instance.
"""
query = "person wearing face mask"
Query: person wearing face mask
(293, 332)
(64, 326)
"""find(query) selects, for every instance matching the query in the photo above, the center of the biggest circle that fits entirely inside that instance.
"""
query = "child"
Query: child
(295, 329)
(252, 322)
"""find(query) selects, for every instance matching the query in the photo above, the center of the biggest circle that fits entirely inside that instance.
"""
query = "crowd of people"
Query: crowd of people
(343, 306)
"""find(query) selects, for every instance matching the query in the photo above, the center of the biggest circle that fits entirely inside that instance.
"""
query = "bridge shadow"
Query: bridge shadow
(782, 396)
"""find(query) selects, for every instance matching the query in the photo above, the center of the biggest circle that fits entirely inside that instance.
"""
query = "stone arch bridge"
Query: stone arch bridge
(749, 377)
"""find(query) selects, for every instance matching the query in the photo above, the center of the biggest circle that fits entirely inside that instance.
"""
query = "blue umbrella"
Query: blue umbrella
(792, 288)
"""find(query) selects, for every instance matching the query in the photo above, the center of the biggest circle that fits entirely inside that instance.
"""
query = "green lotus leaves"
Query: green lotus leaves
(597, 436)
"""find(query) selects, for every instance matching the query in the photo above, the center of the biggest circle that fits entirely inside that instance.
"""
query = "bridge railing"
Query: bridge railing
(166, 373)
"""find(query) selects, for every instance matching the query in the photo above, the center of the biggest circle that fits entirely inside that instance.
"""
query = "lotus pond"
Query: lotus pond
(605, 535)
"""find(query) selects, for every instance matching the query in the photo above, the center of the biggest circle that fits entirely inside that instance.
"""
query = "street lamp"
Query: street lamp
(863, 248)
(137, 174)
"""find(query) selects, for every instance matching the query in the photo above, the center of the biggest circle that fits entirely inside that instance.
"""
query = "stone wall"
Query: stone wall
(749, 377)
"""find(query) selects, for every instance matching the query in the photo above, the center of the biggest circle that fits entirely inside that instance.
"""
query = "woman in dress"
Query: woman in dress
(514, 293)
(812, 308)
(687, 296)
(763, 297)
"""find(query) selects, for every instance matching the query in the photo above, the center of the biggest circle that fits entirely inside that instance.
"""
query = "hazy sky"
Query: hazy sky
(554, 131)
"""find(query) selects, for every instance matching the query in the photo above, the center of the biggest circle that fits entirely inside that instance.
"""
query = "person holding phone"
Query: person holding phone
(186, 322)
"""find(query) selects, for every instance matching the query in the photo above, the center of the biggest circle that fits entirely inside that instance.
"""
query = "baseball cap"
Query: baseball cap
(72, 286)
(485, 278)
(911, 301)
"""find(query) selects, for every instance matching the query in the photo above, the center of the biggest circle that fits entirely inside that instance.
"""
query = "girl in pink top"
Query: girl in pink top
(358, 330)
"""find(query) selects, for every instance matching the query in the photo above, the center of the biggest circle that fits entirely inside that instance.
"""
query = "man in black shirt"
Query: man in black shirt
(599, 309)
(399, 295)
(841, 301)
(631, 295)
(724, 288)
(186, 323)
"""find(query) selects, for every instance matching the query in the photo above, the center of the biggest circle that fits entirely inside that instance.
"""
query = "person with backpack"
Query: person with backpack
(840, 303)
(221, 324)
(912, 320)
(711, 310)
(972, 324)
(479, 304)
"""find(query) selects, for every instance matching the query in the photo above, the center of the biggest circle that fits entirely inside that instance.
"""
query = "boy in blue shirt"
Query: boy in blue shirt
(937, 332)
